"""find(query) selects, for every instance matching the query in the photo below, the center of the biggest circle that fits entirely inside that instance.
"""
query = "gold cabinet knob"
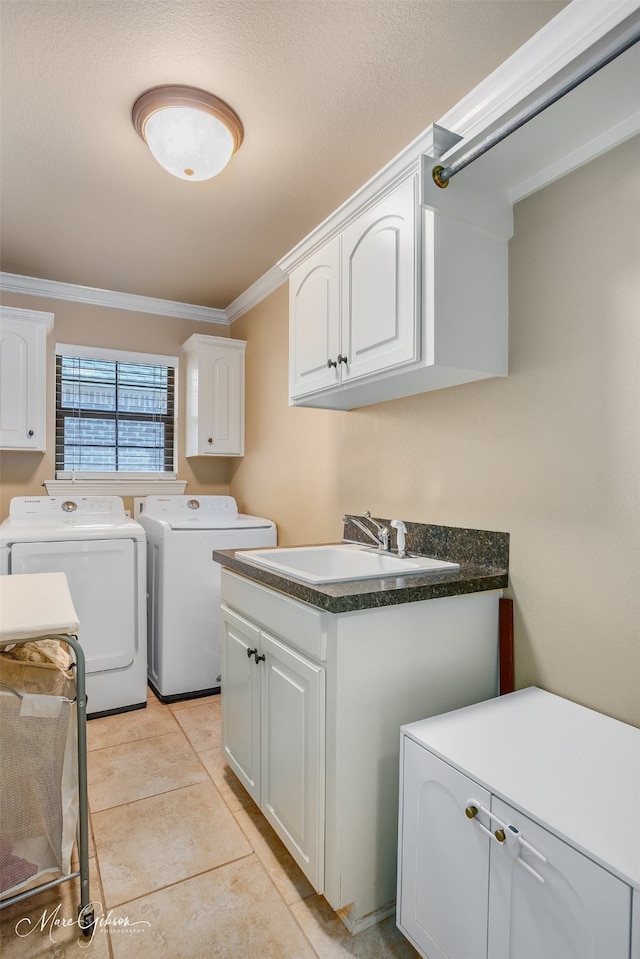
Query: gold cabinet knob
(471, 812)
(500, 835)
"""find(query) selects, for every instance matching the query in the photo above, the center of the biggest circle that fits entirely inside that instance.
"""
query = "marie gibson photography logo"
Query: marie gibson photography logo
(52, 923)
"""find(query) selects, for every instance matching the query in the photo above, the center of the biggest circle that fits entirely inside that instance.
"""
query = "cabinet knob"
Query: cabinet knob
(471, 812)
(251, 652)
(30, 433)
(331, 363)
(259, 659)
(342, 359)
(500, 835)
(210, 440)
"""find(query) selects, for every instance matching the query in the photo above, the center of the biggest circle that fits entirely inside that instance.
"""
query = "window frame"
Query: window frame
(135, 479)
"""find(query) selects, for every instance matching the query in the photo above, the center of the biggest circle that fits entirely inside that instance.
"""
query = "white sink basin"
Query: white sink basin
(336, 564)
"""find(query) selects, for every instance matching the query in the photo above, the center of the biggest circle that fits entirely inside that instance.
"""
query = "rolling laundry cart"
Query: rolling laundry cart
(43, 758)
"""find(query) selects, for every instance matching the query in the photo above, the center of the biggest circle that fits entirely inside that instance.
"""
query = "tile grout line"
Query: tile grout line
(140, 739)
(260, 863)
(179, 882)
(252, 854)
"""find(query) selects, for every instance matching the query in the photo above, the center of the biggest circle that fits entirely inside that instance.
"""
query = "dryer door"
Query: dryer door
(102, 583)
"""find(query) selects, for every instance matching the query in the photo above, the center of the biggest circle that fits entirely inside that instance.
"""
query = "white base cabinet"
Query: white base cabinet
(215, 396)
(312, 730)
(23, 378)
(481, 875)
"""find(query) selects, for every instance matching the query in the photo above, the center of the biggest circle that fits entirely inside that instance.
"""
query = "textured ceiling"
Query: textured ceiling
(328, 92)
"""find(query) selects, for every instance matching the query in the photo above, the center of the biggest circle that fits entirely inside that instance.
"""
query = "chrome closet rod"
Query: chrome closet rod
(442, 175)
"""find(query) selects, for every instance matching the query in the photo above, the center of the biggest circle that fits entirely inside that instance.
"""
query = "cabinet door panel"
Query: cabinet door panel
(378, 303)
(22, 383)
(222, 418)
(293, 705)
(241, 701)
(578, 911)
(314, 311)
(443, 890)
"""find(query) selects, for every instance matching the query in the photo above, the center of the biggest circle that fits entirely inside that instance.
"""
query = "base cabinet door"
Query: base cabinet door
(444, 881)
(241, 701)
(548, 899)
(293, 704)
(273, 726)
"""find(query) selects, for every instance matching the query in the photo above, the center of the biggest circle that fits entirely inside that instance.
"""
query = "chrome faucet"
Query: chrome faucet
(380, 536)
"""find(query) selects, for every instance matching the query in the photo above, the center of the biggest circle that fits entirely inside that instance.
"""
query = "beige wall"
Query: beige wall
(550, 454)
(22, 474)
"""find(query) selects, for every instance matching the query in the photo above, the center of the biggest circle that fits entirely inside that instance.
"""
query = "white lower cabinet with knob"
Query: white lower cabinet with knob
(312, 705)
(519, 832)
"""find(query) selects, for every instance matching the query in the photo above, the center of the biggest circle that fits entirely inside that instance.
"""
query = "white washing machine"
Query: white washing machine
(183, 581)
(103, 554)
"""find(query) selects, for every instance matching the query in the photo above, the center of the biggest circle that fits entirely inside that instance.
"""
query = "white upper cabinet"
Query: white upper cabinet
(352, 302)
(23, 378)
(215, 396)
(411, 295)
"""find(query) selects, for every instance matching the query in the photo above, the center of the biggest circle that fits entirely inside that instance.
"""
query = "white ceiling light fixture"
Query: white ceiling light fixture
(191, 133)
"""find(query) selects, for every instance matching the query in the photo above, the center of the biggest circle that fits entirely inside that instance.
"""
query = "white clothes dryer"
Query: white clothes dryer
(103, 553)
(183, 584)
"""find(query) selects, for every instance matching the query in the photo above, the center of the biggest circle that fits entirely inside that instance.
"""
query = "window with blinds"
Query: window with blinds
(115, 413)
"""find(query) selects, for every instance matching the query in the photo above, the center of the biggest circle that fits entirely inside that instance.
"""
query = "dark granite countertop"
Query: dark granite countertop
(483, 557)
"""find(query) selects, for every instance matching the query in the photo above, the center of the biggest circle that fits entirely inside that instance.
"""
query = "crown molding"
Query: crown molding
(254, 294)
(34, 286)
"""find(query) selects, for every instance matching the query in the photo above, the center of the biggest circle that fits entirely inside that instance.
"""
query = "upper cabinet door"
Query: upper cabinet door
(379, 325)
(314, 322)
(23, 376)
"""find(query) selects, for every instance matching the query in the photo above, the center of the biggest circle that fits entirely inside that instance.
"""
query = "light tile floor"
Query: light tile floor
(183, 864)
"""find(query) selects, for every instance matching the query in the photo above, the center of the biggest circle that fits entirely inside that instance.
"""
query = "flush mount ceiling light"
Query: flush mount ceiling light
(191, 133)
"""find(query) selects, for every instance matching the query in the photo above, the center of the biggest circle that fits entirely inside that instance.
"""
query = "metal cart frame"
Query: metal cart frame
(86, 916)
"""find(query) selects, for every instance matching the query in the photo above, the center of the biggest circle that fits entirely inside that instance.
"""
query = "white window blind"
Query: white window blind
(115, 413)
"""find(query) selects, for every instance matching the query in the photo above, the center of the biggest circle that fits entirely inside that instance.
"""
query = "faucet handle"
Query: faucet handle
(382, 531)
(401, 531)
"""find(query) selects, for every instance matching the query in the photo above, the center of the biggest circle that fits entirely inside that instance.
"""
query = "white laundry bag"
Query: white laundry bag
(38, 773)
